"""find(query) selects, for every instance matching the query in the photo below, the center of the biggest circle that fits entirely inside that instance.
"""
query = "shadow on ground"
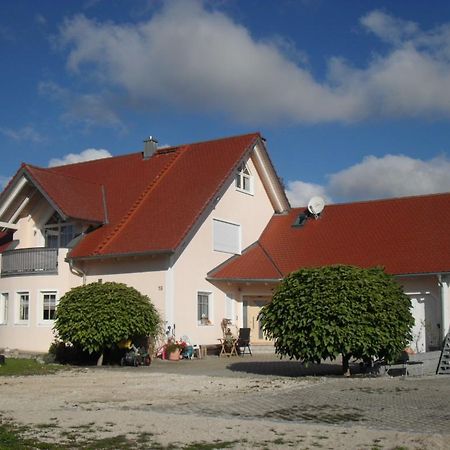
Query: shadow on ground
(286, 368)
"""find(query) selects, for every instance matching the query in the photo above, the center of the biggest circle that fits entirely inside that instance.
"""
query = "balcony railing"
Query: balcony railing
(29, 261)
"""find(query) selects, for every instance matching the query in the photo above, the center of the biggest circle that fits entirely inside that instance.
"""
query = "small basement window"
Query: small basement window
(244, 179)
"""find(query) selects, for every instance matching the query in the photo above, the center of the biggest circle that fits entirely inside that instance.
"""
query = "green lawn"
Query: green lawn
(17, 366)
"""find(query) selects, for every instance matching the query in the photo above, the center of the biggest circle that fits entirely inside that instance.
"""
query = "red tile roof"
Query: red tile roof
(153, 203)
(404, 235)
(75, 198)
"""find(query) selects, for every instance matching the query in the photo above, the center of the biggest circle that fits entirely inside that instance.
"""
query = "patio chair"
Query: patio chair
(243, 341)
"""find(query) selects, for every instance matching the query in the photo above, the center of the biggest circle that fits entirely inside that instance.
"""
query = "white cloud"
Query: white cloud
(388, 28)
(391, 176)
(300, 192)
(374, 177)
(86, 155)
(26, 133)
(193, 57)
(88, 109)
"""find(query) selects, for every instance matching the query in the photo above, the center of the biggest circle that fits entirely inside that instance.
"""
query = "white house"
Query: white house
(158, 220)
(205, 230)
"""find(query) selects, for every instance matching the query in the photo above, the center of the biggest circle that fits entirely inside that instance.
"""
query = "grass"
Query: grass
(20, 367)
(14, 437)
(11, 438)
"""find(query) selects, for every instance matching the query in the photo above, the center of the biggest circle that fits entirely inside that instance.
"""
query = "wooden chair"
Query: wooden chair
(243, 341)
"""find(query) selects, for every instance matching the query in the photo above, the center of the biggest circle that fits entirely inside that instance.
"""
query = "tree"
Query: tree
(322, 312)
(98, 315)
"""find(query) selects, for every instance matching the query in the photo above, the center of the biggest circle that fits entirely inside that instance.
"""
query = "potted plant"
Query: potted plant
(174, 349)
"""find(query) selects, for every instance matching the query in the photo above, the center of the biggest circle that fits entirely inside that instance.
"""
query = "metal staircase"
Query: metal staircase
(444, 360)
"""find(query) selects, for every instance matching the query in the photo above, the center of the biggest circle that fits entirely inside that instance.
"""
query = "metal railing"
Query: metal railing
(29, 261)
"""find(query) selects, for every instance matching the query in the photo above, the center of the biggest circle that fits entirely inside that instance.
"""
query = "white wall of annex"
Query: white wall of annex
(425, 295)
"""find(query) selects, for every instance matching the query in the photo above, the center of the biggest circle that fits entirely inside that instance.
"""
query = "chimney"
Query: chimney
(150, 147)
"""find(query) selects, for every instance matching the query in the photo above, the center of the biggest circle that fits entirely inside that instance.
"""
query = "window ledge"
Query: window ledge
(245, 192)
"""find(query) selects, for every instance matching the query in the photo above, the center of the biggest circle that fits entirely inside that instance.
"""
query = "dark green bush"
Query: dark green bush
(97, 316)
(323, 312)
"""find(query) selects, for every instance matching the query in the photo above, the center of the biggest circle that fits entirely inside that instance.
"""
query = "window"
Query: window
(59, 234)
(227, 237)
(204, 308)
(48, 305)
(244, 179)
(229, 307)
(4, 299)
(24, 306)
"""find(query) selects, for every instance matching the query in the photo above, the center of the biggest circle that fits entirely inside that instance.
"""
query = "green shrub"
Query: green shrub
(96, 316)
(323, 312)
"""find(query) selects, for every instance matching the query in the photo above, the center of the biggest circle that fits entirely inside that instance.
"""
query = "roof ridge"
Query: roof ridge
(224, 138)
(90, 161)
(382, 200)
(137, 203)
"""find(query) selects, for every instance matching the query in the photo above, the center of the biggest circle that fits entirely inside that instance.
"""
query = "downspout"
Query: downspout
(445, 319)
(77, 271)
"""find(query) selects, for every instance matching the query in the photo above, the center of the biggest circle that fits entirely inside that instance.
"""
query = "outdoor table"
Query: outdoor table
(228, 346)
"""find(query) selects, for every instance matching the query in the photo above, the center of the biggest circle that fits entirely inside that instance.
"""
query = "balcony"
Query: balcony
(29, 261)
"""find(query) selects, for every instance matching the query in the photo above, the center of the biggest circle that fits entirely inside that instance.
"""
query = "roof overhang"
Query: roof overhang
(245, 280)
(422, 274)
(12, 190)
(269, 178)
(120, 255)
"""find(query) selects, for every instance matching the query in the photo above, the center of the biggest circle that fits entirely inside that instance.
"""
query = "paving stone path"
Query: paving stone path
(401, 403)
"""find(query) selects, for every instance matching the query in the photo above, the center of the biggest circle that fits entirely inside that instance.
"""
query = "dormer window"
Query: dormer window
(244, 179)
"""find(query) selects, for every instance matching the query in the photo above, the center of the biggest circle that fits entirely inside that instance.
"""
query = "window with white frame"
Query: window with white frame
(227, 237)
(244, 179)
(24, 306)
(229, 307)
(204, 308)
(48, 305)
(4, 300)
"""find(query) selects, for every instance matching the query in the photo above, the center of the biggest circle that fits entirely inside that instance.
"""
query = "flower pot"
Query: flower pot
(175, 355)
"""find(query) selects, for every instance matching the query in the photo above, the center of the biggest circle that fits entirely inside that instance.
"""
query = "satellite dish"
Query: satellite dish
(316, 205)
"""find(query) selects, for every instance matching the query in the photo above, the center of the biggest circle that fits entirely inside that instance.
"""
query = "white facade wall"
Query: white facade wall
(252, 213)
(30, 233)
(426, 293)
(146, 274)
(36, 334)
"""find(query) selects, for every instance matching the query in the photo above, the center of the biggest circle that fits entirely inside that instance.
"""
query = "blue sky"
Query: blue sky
(353, 96)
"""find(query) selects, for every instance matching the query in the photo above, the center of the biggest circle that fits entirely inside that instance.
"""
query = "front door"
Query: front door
(252, 307)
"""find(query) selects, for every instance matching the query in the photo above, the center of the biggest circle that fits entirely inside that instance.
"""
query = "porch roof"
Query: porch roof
(407, 235)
